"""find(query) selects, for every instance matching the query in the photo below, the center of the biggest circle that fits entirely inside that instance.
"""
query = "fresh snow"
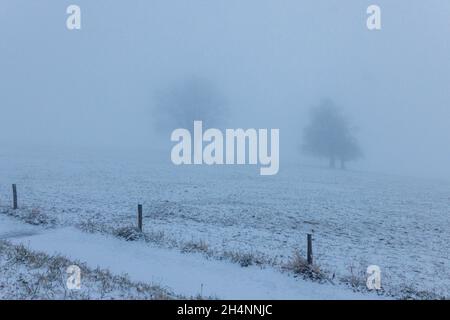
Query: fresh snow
(185, 274)
(10, 228)
(357, 218)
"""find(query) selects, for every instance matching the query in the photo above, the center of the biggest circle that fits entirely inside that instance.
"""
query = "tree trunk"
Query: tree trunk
(332, 163)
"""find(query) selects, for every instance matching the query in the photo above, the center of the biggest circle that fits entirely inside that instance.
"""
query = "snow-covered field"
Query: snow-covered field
(188, 274)
(357, 218)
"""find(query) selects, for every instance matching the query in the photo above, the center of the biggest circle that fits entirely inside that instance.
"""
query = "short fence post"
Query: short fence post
(309, 252)
(140, 217)
(14, 196)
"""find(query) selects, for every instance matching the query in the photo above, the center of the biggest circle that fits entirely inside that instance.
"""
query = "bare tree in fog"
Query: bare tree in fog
(188, 100)
(329, 135)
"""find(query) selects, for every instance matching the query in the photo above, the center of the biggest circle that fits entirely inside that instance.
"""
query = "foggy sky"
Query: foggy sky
(272, 59)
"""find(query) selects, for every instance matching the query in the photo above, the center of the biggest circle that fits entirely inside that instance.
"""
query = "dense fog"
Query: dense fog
(268, 63)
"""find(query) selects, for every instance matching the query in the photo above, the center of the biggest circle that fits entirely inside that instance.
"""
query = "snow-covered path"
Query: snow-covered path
(186, 274)
(11, 228)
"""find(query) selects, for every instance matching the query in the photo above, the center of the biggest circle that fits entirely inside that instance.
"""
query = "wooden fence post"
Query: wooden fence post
(140, 217)
(309, 252)
(14, 196)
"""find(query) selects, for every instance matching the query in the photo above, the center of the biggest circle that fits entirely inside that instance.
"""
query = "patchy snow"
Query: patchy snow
(185, 274)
